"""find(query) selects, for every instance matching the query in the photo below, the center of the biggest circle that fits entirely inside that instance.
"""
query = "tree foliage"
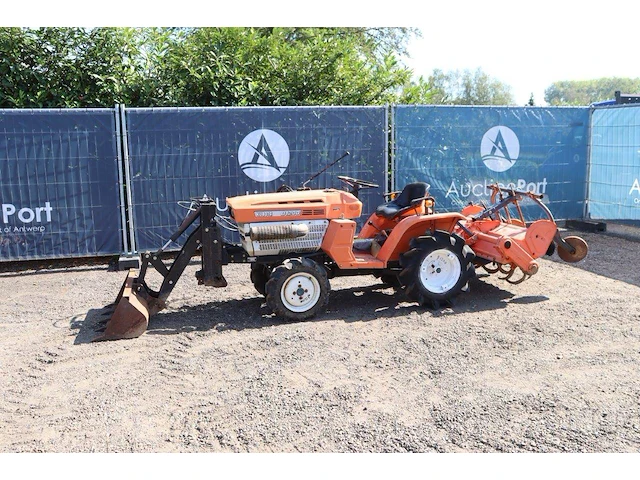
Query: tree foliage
(585, 92)
(99, 67)
(73, 67)
(469, 88)
(282, 66)
(457, 88)
(64, 67)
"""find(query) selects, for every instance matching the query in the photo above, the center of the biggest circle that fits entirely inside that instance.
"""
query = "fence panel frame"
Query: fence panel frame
(107, 135)
(574, 206)
(617, 194)
(373, 111)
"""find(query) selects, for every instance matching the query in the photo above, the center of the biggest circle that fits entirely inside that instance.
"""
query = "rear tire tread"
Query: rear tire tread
(422, 246)
(259, 277)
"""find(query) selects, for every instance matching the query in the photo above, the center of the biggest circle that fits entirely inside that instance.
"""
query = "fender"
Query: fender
(415, 226)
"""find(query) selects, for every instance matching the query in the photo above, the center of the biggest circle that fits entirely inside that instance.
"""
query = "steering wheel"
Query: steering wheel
(357, 184)
(284, 188)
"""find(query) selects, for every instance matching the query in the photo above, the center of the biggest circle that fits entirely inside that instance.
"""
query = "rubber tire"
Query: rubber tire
(391, 281)
(420, 247)
(282, 273)
(260, 276)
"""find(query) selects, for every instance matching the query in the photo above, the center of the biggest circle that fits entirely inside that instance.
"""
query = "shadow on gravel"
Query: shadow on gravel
(607, 254)
(48, 271)
(89, 324)
(529, 299)
(357, 304)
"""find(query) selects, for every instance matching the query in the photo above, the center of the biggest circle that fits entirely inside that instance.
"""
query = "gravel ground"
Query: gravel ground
(551, 365)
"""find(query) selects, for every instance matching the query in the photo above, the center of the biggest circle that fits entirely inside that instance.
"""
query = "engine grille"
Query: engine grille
(312, 211)
(309, 243)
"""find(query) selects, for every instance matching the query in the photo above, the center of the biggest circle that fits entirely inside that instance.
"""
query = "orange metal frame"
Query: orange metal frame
(504, 241)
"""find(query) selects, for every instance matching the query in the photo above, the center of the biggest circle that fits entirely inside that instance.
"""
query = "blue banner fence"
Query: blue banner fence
(178, 153)
(92, 182)
(59, 184)
(614, 167)
(459, 150)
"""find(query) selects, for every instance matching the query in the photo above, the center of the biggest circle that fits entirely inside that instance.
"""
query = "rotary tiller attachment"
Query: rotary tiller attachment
(131, 315)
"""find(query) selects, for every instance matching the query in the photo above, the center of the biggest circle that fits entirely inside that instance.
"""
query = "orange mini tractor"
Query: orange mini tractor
(296, 240)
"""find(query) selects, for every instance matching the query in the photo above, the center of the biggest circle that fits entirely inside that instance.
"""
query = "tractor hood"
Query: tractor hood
(296, 205)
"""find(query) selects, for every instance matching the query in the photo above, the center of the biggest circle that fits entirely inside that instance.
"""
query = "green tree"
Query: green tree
(74, 67)
(285, 66)
(146, 81)
(469, 88)
(421, 91)
(64, 67)
(585, 92)
(531, 102)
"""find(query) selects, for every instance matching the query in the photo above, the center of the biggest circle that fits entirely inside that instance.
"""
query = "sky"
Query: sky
(529, 45)
(526, 45)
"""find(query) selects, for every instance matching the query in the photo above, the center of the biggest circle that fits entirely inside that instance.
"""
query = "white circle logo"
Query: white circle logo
(499, 148)
(263, 155)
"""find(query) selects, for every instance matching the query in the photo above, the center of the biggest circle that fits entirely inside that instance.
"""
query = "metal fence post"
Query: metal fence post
(127, 173)
(123, 213)
(587, 194)
(392, 155)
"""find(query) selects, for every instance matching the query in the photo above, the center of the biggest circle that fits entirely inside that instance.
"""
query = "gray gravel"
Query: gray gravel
(551, 365)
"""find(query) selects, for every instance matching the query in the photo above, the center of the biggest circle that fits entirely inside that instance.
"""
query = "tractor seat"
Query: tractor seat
(412, 194)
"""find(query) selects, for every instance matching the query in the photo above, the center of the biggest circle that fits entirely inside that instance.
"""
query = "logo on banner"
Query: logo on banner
(500, 148)
(263, 155)
(635, 188)
(27, 216)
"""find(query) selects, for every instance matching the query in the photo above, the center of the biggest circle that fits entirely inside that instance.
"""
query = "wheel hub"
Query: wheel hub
(300, 292)
(440, 271)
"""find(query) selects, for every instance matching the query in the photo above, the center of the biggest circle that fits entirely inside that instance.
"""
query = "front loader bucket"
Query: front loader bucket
(131, 315)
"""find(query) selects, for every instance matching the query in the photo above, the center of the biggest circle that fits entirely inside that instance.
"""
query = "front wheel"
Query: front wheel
(298, 289)
(436, 268)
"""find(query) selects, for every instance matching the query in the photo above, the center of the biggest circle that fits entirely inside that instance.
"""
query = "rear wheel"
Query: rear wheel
(259, 276)
(298, 289)
(390, 280)
(436, 268)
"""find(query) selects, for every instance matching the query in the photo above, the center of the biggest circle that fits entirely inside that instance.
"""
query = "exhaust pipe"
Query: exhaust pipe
(259, 233)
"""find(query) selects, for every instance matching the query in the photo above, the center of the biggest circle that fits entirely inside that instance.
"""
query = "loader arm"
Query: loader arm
(136, 301)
